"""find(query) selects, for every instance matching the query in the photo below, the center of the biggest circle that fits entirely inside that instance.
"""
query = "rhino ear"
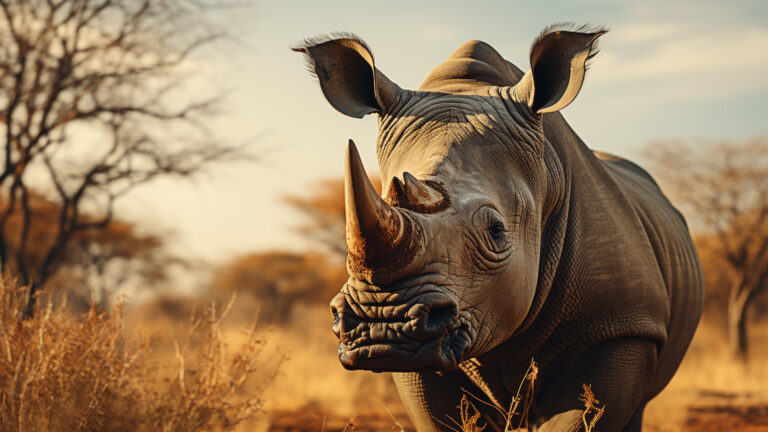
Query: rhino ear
(349, 80)
(558, 63)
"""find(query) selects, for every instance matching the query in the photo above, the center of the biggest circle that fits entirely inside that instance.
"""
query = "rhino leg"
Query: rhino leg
(431, 398)
(636, 422)
(619, 372)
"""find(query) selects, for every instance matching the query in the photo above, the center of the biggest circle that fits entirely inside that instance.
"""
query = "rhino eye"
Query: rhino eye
(496, 231)
(491, 232)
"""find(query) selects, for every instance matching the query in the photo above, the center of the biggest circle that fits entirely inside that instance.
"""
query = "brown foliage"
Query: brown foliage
(65, 372)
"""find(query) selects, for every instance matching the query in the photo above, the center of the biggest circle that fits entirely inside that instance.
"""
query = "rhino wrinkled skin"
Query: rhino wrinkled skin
(500, 237)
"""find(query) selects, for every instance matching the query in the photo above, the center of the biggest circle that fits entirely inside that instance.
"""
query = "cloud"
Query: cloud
(685, 62)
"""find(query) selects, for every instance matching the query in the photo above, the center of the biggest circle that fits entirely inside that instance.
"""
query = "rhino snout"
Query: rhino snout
(397, 333)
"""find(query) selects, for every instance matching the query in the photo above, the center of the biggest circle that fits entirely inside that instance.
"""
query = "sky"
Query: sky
(693, 69)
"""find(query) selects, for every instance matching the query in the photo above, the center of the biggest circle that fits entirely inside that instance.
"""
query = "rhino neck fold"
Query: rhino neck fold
(554, 232)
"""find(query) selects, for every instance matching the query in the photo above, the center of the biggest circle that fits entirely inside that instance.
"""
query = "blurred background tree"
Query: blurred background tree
(324, 208)
(92, 105)
(280, 281)
(722, 188)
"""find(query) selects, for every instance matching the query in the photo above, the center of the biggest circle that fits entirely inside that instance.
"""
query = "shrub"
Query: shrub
(62, 371)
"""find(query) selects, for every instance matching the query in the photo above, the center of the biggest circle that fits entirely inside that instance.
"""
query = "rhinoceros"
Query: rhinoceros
(499, 237)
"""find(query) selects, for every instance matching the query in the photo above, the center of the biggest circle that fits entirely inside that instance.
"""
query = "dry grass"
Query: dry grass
(592, 409)
(311, 375)
(470, 415)
(60, 371)
(310, 388)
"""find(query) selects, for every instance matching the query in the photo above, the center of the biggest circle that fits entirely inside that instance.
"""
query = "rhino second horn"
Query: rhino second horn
(378, 235)
(395, 194)
(419, 194)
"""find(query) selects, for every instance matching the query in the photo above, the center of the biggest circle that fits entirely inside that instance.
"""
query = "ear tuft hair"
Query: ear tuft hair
(321, 39)
(573, 27)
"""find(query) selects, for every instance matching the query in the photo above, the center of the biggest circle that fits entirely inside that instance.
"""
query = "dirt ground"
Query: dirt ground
(310, 420)
(723, 412)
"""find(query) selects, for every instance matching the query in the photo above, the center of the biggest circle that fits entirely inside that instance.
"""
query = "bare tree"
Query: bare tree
(722, 187)
(92, 105)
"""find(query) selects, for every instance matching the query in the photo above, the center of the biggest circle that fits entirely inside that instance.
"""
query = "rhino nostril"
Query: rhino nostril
(336, 321)
(441, 316)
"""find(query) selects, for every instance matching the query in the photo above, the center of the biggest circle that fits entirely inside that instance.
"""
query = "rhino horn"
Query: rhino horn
(419, 194)
(379, 237)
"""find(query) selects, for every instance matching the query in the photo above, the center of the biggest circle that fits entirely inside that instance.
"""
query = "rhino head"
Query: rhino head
(444, 265)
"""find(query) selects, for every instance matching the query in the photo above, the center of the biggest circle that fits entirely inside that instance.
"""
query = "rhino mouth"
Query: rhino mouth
(394, 331)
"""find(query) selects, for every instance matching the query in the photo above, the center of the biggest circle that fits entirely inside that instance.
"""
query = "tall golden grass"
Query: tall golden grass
(62, 371)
